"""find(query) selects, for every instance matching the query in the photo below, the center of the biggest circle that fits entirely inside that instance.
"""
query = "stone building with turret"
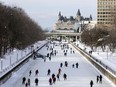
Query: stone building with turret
(65, 24)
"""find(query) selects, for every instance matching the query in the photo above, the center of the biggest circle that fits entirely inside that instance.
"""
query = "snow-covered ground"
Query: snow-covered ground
(11, 60)
(76, 77)
(107, 58)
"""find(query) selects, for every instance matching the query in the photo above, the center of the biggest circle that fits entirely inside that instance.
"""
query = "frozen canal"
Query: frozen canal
(76, 77)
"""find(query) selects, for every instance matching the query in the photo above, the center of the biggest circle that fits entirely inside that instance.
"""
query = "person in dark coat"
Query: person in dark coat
(36, 81)
(28, 81)
(47, 54)
(58, 76)
(61, 64)
(49, 57)
(26, 84)
(54, 80)
(53, 75)
(97, 79)
(30, 73)
(65, 76)
(44, 59)
(48, 72)
(50, 81)
(91, 83)
(66, 63)
(77, 65)
(100, 78)
(65, 54)
(59, 71)
(73, 65)
(23, 80)
(36, 72)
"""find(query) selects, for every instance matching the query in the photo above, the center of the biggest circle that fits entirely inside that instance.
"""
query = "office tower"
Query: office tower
(105, 11)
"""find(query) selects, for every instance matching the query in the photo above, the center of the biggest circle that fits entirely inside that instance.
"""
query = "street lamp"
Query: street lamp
(17, 56)
(32, 48)
(107, 53)
(1, 64)
(25, 52)
(21, 53)
(10, 60)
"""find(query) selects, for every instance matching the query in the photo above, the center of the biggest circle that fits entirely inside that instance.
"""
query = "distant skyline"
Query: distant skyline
(45, 12)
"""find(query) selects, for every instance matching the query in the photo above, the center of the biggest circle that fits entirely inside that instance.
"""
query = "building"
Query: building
(65, 24)
(70, 28)
(105, 11)
(80, 26)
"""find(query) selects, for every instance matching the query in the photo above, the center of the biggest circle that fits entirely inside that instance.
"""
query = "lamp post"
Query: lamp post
(17, 56)
(21, 53)
(98, 51)
(25, 52)
(10, 60)
(107, 53)
(1, 64)
(32, 48)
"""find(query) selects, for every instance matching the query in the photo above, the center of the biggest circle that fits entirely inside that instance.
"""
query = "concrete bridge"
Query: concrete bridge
(61, 35)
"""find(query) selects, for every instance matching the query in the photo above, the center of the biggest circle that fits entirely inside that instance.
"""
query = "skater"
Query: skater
(73, 65)
(100, 78)
(47, 54)
(66, 63)
(61, 64)
(58, 76)
(48, 72)
(23, 80)
(65, 76)
(34, 57)
(36, 81)
(28, 81)
(91, 83)
(77, 65)
(30, 73)
(59, 71)
(50, 81)
(55, 52)
(97, 79)
(26, 84)
(54, 80)
(36, 72)
(53, 75)
(49, 58)
(44, 59)
(65, 54)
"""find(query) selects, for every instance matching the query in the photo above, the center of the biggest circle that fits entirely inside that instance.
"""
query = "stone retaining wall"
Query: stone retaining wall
(7, 75)
(101, 68)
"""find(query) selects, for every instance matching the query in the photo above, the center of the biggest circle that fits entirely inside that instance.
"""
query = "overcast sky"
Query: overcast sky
(45, 12)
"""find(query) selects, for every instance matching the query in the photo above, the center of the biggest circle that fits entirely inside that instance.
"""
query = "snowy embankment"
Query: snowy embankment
(76, 77)
(17, 56)
(101, 58)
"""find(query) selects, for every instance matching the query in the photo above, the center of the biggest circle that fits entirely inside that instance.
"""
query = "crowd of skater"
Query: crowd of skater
(54, 77)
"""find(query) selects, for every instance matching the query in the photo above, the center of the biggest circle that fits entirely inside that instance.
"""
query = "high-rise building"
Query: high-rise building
(105, 11)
